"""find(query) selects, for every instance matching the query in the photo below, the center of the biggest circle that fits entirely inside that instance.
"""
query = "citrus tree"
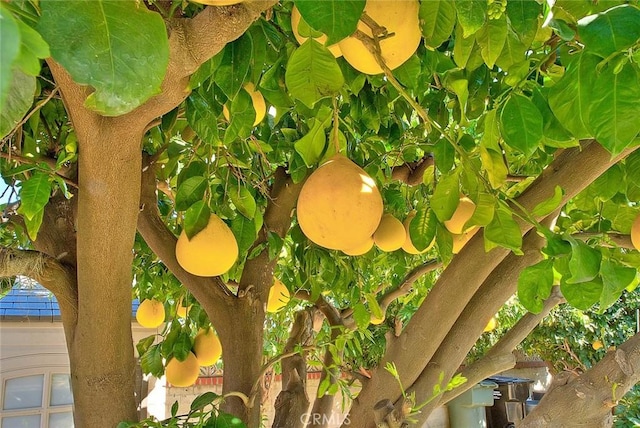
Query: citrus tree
(391, 171)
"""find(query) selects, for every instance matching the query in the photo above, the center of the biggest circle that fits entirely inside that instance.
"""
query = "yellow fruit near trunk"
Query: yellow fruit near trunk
(278, 296)
(459, 241)
(210, 252)
(361, 249)
(296, 18)
(398, 17)
(183, 373)
(390, 234)
(635, 233)
(207, 347)
(339, 206)
(150, 313)
(462, 214)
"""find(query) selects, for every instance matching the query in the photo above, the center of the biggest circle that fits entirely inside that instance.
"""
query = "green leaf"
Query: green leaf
(582, 295)
(143, 345)
(361, 315)
(9, 51)
(190, 191)
(446, 197)
(313, 73)
(521, 124)
(512, 53)
(203, 400)
(234, 67)
(523, 16)
(546, 207)
(120, 48)
(182, 345)
(491, 39)
(32, 49)
(535, 284)
(374, 307)
(202, 112)
(243, 115)
(337, 19)
(437, 18)
(485, 209)
(614, 109)
(455, 81)
(243, 200)
(615, 279)
(17, 102)
(34, 194)
(151, 361)
(584, 263)
(422, 229)
(33, 224)
(244, 230)
(614, 30)
(632, 164)
(444, 154)
(570, 98)
(311, 146)
(196, 218)
(471, 15)
(226, 420)
(503, 231)
(463, 47)
(491, 152)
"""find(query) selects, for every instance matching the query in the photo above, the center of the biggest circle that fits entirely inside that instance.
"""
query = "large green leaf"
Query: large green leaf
(584, 263)
(570, 98)
(582, 295)
(523, 16)
(335, 18)
(463, 47)
(534, 285)
(234, 66)
(446, 197)
(32, 49)
(615, 279)
(311, 146)
(244, 230)
(491, 39)
(471, 15)
(202, 112)
(196, 218)
(614, 30)
(34, 194)
(632, 163)
(313, 73)
(243, 200)
(547, 206)
(9, 50)
(503, 231)
(17, 102)
(521, 124)
(615, 111)
(437, 19)
(243, 116)
(190, 191)
(120, 48)
(512, 53)
(491, 152)
(422, 229)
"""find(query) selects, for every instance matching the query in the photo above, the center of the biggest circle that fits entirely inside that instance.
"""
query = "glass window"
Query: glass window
(23, 393)
(60, 390)
(61, 420)
(29, 421)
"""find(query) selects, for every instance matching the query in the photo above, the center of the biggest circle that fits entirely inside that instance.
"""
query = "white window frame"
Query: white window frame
(45, 410)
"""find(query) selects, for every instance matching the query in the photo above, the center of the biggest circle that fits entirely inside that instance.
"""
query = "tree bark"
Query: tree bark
(587, 400)
(573, 170)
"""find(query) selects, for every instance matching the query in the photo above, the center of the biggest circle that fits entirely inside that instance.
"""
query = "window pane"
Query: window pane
(31, 421)
(61, 420)
(60, 390)
(23, 392)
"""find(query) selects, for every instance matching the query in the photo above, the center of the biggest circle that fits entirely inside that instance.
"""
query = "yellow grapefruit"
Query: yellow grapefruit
(182, 311)
(183, 373)
(150, 313)
(491, 325)
(462, 214)
(207, 347)
(258, 104)
(361, 249)
(390, 234)
(635, 233)
(296, 20)
(459, 241)
(408, 243)
(210, 252)
(377, 320)
(597, 344)
(278, 296)
(339, 206)
(398, 17)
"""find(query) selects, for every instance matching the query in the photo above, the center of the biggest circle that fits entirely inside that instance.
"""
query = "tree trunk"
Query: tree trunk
(587, 400)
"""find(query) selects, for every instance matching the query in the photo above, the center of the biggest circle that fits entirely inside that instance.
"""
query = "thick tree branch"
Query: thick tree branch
(500, 357)
(327, 309)
(53, 275)
(412, 173)
(573, 170)
(589, 398)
